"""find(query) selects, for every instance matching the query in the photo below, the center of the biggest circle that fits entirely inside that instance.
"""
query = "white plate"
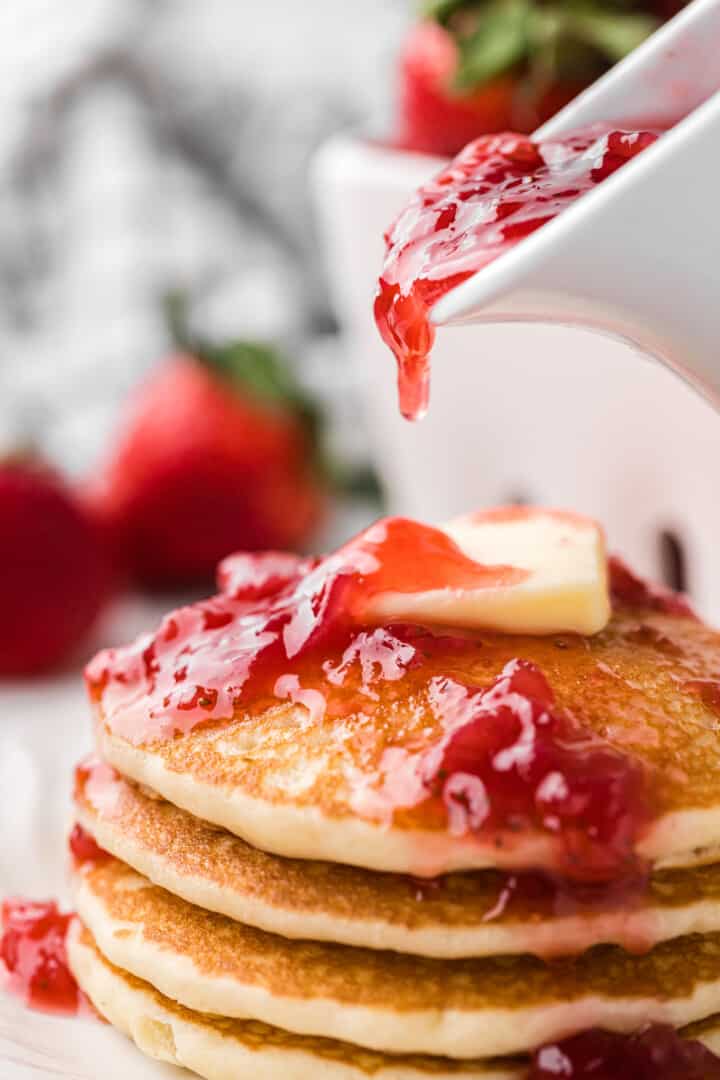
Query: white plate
(44, 730)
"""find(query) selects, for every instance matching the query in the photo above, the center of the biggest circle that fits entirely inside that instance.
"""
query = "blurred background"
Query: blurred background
(149, 146)
(163, 217)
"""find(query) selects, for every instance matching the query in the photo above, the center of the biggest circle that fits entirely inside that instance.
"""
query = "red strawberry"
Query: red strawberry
(54, 570)
(476, 67)
(215, 456)
(433, 119)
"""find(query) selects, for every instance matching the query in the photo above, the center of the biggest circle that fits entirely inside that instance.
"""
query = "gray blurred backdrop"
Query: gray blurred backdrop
(148, 145)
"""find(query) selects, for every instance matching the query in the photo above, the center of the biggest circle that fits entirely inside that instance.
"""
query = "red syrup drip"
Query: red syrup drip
(514, 762)
(629, 590)
(84, 848)
(32, 948)
(497, 191)
(563, 897)
(657, 1052)
(542, 895)
(270, 634)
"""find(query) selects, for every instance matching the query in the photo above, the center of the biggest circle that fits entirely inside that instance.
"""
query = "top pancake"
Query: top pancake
(336, 782)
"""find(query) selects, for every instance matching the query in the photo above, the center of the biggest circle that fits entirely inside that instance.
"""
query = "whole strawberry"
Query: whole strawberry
(217, 454)
(476, 67)
(54, 570)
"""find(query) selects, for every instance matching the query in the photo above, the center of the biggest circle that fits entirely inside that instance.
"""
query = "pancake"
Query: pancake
(481, 913)
(221, 1049)
(332, 774)
(386, 1001)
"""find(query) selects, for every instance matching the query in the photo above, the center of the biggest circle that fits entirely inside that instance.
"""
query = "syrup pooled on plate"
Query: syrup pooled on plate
(32, 948)
(497, 191)
(656, 1053)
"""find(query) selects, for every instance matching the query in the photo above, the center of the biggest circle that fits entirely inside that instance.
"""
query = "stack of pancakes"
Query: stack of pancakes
(264, 911)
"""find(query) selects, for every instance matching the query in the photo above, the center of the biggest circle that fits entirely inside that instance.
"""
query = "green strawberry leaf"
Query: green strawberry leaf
(575, 40)
(498, 42)
(260, 371)
(614, 35)
(443, 10)
(254, 368)
(355, 481)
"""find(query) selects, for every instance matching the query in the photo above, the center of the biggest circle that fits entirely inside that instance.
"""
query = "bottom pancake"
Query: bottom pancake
(220, 1049)
(386, 1001)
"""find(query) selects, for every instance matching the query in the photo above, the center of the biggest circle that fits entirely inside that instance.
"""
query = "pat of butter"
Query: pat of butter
(564, 586)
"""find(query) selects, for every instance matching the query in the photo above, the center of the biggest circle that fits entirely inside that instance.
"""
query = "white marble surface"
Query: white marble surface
(36, 1047)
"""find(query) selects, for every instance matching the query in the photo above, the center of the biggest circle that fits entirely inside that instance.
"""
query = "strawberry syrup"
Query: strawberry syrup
(656, 1053)
(289, 629)
(629, 590)
(280, 618)
(497, 191)
(32, 950)
(512, 762)
(515, 761)
(84, 848)
(34, 932)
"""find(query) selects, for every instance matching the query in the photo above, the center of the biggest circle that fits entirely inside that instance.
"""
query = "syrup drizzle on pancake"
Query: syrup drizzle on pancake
(485, 897)
(83, 847)
(211, 658)
(511, 760)
(294, 629)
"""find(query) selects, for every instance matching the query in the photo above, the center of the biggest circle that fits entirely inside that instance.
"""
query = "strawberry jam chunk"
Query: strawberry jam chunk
(84, 847)
(250, 577)
(497, 191)
(513, 761)
(274, 626)
(654, 1053)
(629, 590)
(32, 948)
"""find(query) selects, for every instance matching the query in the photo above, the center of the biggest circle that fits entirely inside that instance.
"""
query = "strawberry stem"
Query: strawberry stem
(261, 371)
(575, 40)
